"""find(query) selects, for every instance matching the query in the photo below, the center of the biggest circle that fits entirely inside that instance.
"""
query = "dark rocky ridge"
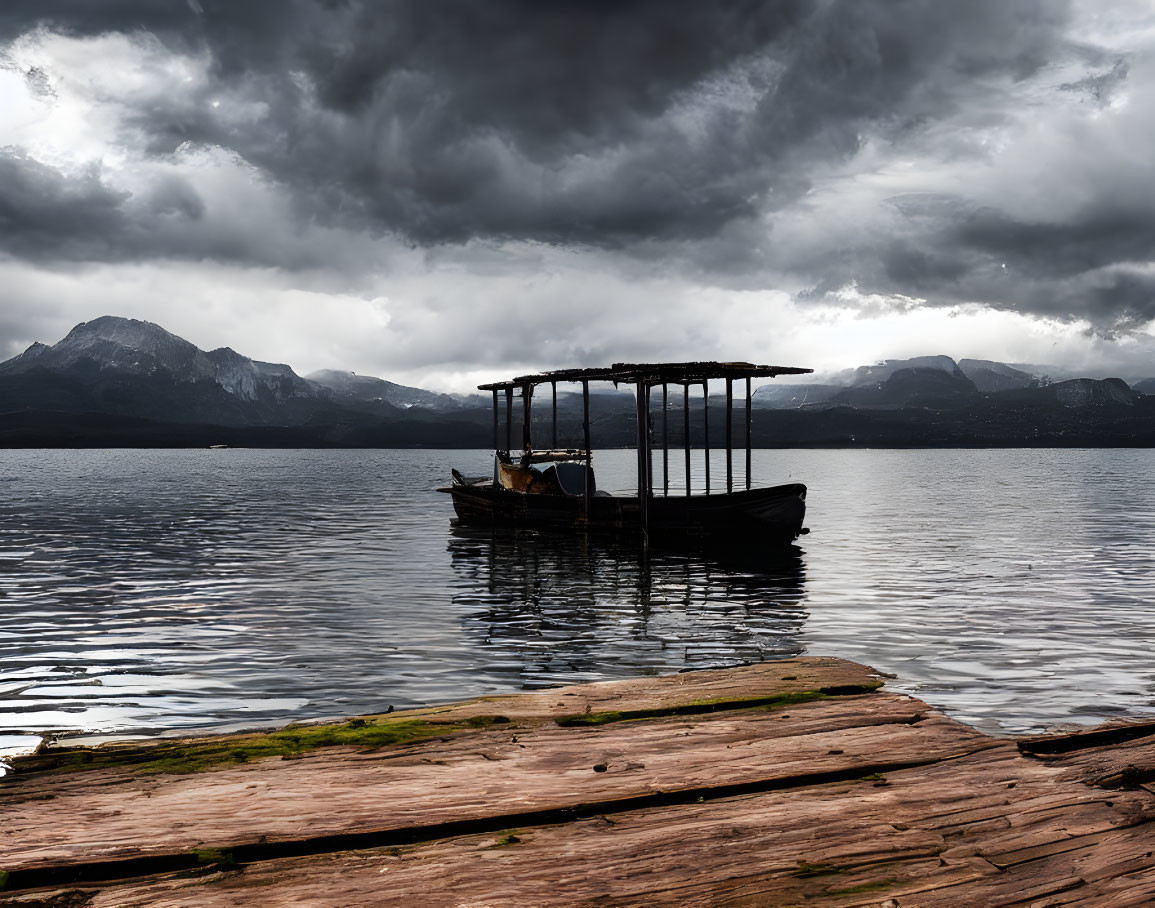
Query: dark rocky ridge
(137, 369)
(123, 382)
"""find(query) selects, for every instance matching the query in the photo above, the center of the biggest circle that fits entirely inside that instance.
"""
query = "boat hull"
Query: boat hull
(761, 516)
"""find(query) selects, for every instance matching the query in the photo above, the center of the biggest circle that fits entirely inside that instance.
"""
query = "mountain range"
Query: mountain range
(939, 381)
(116, 381)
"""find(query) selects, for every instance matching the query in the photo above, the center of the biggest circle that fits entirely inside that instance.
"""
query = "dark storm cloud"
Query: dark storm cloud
(660, 130)
(1095, 240)
(526, 120)
(1084, 267)
(41, 209)
(1128, 298)
(1087, 263)
(85, 17)
(598, 123)
(1070, 267)
(560, 120)
(48, 216)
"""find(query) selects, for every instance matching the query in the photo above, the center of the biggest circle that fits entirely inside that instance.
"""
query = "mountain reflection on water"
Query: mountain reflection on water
(551, 608)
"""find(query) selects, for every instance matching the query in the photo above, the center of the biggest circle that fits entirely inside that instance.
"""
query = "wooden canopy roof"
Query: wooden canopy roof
(649, 373)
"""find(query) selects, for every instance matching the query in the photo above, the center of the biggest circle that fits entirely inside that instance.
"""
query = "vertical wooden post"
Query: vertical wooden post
(686, 428)
(553, 443)
(526, 418)
(665, 444)
(508, 420)
(706, 428)
(589, 454)
(729, 435)
(649, 446)
(643, 460)
(496, 443)
(749, 399)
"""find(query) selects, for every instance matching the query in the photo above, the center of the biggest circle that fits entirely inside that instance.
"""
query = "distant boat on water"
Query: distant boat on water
(557, 489)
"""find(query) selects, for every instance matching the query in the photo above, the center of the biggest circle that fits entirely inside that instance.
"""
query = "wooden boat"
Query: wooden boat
(557, 489)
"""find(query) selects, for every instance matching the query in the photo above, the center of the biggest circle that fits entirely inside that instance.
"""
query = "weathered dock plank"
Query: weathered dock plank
(743, 787)
(851, 843)
(117, 812)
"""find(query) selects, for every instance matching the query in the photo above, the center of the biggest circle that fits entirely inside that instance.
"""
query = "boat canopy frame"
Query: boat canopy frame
(645, 377)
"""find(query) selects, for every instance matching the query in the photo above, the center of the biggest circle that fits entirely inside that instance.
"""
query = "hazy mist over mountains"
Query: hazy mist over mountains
(124, 381)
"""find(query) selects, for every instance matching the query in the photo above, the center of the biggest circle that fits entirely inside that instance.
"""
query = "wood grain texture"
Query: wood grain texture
(863, 799)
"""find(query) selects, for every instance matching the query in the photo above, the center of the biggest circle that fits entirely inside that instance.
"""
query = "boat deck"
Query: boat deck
(796, 782)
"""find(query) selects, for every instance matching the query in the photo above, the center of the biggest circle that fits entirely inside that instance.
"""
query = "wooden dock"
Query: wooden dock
(797, 782)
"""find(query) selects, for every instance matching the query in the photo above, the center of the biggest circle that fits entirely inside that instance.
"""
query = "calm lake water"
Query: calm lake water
(146, 591)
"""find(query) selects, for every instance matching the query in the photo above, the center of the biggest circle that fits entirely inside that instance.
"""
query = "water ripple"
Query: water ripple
(144, 591)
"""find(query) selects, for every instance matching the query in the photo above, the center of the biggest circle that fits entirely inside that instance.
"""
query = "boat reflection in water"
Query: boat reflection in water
(559, 608)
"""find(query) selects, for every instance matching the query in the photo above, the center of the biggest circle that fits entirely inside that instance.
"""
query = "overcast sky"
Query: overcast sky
(441, 192)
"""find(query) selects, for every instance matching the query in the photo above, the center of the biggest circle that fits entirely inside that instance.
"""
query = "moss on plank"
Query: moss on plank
(294, 740)
(197, 755)
(806, 870)
(210, 856)
(290, 741)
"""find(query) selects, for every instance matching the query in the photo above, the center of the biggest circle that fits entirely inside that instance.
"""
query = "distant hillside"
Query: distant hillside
(992, 376)
(921, 386)
(782, 396)
(137, 369)
(920, 381)
(880, 372)
(1080, 393)
(123, 382)
(350, 388)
